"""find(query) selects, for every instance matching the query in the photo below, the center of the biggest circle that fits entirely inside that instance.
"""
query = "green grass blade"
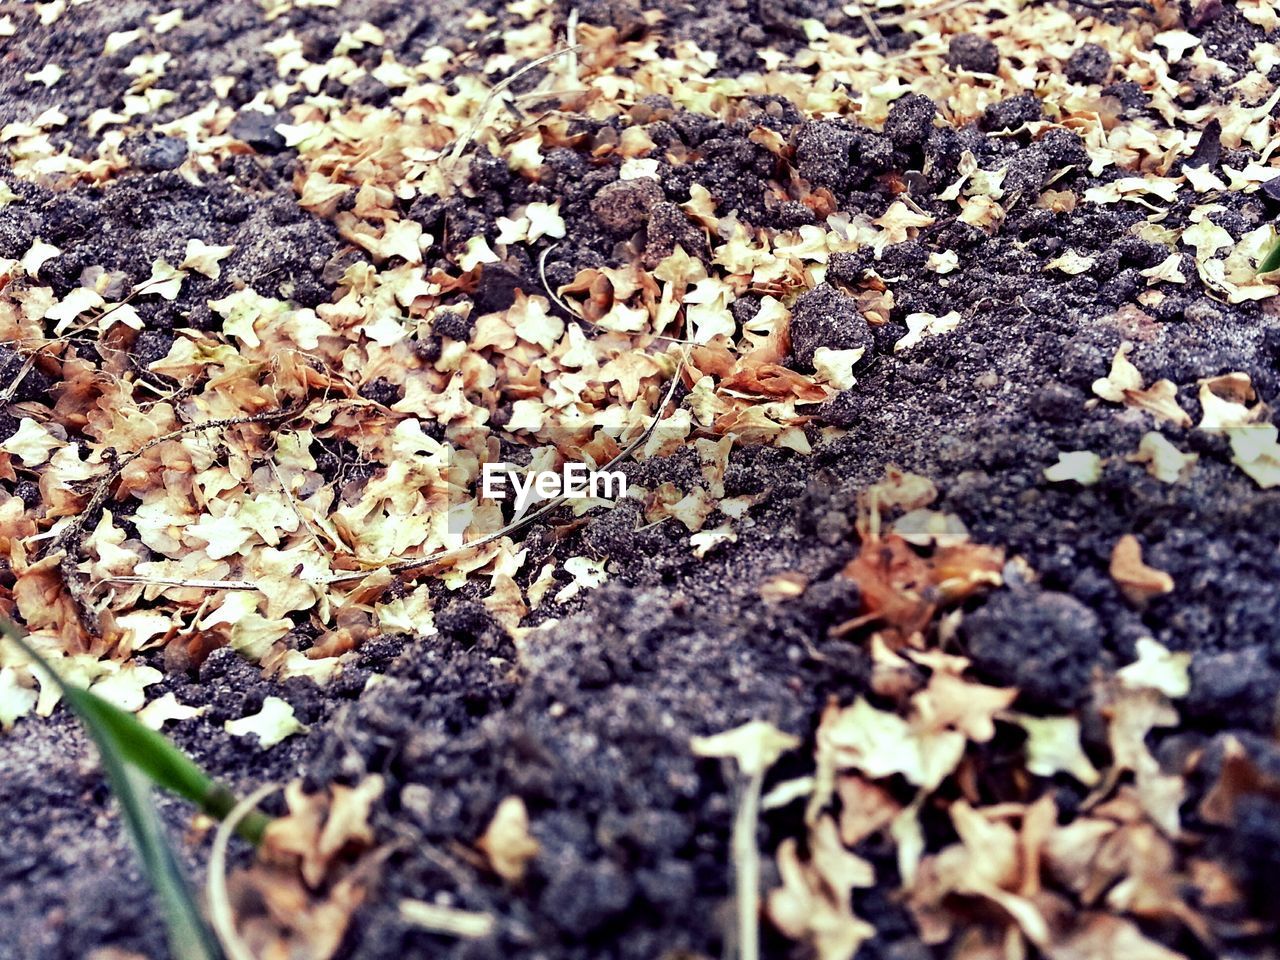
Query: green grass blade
(123, 736)
(189, 937)
(132, 756)
(1272, 260)
(153, 754)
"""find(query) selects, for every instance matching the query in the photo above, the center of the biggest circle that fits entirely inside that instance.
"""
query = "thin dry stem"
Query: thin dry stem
(877, 37)
(746, 868)
(220, 913)
(479, 122)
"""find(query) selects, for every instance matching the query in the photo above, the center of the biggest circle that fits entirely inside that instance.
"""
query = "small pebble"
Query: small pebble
(156, 154)
(258, 130)
(1012, 113)
(624, 205)
(910, 120)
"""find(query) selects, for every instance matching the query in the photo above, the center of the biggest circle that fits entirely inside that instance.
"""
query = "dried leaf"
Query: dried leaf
(1136, 580)
(756, 746)
(272, 724)
(507, 843)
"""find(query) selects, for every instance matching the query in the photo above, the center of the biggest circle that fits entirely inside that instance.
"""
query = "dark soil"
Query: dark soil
(590, 721)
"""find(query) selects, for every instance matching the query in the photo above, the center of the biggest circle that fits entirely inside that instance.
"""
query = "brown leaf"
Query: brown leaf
(1240, 777)
(807, 907)
(952, 702)
(865, 808)
(773, 380)
(989, 863)
(1101, 936)
(507, 843)
(893, 581)
(45, 603)
(903, 590)
(1136, 580)
(320, 826)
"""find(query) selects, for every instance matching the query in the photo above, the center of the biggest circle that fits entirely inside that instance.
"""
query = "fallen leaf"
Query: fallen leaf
(165, 709)
(1136, 580)
(1158, 669)
(1053, 746)
(507, 843)
(806, 908)
(203, 258)
(1082, 467)
(1102, 936)
(756, 746)
(272, 724)
(1164, 461)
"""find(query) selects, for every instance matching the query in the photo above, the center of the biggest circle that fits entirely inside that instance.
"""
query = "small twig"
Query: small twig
(900, 18)
(194, 584)
(746, 868)
(877, 38)
(446, 921)
(534, 95)
(483, 112)
(7, 393)
(293, 505)
(220, 912)
(1108, 5)
(71, 534)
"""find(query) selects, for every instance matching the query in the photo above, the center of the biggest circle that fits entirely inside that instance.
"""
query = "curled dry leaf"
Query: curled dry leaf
(893, 581)
(991, 861)
(1132, 714)
(1255, 442)
(814, 903)
(899, 490)
(1136, 580)
(322, 825)
(1158, 669)
(756, 746)
(1104, 935)
(925, 747)
(1053, 746)
(1081, 466)
(865, 808)
(314, 870)
(272, 724)
(880, 744)
(950, 702)
(1164, 461)
(1124, 385)
(1240, 778)
(507, 842)
(903, 590)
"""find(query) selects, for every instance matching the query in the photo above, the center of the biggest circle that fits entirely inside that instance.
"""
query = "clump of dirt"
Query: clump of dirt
(825, 317)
